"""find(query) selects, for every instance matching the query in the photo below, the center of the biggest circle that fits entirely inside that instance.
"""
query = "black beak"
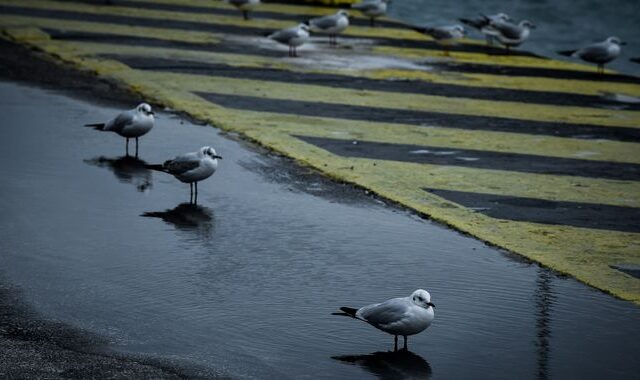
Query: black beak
(623, 43)
(432, 305)
(216, 156)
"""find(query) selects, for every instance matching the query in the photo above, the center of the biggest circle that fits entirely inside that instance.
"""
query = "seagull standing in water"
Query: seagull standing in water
(332, 24)
(445, 36)
(129, 124)
(191, 167)
(244, 6)
(293, 37)
(372, 9)
(398, 316)
(599, 53)
(509, 34)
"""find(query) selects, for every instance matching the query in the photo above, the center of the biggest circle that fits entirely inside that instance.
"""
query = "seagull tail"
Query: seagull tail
(347, 312)
(567, 53)
(158, 167)
(96, 126)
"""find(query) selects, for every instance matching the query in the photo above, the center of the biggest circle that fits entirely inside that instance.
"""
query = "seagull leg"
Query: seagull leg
(295, 52)
(127, 146)
(395, 343)
(245, 15)
(405, 342)
(195, 199)
(372, 22)
(190, 192)
(136, 147)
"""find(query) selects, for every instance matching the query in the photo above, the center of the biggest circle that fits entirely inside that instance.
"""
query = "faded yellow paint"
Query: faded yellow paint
(416, 102)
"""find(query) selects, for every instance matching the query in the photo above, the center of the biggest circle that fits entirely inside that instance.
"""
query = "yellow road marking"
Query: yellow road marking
(427, 103)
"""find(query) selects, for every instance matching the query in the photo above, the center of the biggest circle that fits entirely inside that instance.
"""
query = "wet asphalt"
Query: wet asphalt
(243, 284)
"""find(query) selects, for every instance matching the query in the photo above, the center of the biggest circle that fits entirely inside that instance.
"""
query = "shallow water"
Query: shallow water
(246, 282)
(560, 24)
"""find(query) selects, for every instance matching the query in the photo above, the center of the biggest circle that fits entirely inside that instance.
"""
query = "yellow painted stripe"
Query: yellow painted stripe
(114, 29)
(428, 103)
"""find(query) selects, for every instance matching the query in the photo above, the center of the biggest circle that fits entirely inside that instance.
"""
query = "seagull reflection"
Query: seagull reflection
(127, 169)
(402, 364)
(186, 216)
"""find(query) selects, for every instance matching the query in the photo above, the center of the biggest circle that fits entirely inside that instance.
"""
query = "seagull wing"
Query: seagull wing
(386, 313)
(324, 22)
(508, 30)
(594, 53)
(284, 35)
(121, 121)
(181, 164)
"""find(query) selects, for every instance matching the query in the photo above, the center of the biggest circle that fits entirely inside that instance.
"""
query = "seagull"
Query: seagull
(293, 37)
(332, 24)
(398, 316)
(244, 6)
(129, 124)
(509, 34)
(444, 36)
(191, 167)
(372, 8)
(599, 53)
(483, 21)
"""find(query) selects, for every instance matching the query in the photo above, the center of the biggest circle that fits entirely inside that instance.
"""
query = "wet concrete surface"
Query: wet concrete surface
(244, 283)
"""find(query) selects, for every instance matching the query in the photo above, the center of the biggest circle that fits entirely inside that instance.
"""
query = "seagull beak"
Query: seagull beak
(216, 156)
(432, 305)
(623, 43)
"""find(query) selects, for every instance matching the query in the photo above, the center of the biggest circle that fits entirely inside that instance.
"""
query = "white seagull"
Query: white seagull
(398, 316)
(599, 53)
(191, 167)
(509, 34)
(331, 24)
(244, 6)
(445, 36)
(372, 8)
(293, 37)
(129, 124)
(483, 21)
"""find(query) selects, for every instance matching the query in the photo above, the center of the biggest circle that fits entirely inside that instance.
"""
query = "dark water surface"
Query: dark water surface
(246, 282)
(560, 24)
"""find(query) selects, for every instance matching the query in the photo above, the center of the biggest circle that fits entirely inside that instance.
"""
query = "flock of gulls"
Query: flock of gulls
(498, 28)
(403, 316)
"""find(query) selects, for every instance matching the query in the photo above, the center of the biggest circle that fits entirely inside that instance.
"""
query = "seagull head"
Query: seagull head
(502, 16)
(207, 151)
(343, 13)
(615, 40)
(460, 29)
(145, 109)
(527, 24)
(304, 27)
(422, 298)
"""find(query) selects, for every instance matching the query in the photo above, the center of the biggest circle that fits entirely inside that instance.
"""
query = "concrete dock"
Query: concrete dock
(534, 155)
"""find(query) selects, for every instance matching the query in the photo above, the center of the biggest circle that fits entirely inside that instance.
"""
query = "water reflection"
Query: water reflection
(127, 169)
(544, 299)
(402, 364)
(187, 217)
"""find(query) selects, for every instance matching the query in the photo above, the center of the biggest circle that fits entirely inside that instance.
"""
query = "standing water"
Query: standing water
(245, 283)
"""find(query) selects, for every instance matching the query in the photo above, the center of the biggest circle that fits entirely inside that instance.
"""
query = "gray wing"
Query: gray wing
(120, 122)
(507, 29)
(384, 313)
(594, 53)
(366, 6)
(439, 33)
(284, 35)
(324, 22)
(238, 2)
(181, 164)
(478, 22)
